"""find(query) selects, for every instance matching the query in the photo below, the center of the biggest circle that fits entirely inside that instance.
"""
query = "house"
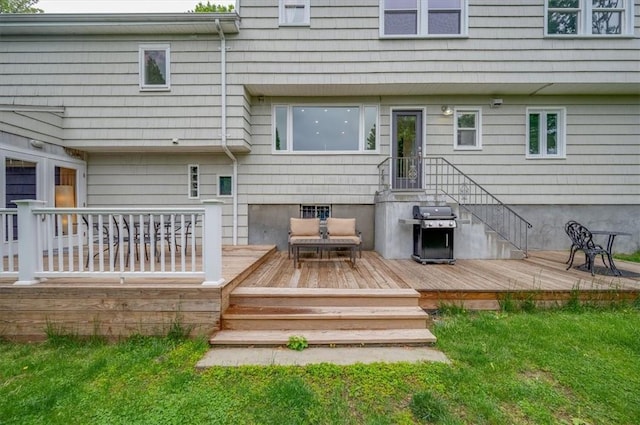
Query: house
(314, 107)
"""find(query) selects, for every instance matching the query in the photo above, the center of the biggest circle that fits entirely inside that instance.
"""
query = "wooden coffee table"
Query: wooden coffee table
(323, 244)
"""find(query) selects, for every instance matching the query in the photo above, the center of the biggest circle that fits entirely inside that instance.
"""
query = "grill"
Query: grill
(433, 234)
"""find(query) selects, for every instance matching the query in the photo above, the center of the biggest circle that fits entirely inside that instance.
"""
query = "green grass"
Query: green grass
(544, 367)
(634, 257)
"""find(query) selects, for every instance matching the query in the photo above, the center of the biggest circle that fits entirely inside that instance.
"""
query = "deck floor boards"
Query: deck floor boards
(544, 270)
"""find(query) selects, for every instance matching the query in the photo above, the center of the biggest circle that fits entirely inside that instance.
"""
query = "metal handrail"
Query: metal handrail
(441, 176)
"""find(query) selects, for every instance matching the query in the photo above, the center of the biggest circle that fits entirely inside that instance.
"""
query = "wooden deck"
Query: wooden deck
(151, 306)
(477, 283)
(146, 306)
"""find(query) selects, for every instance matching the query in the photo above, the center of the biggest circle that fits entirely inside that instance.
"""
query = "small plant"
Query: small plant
(297, 343)
(429, 407)
(178, 331)
(451, 308)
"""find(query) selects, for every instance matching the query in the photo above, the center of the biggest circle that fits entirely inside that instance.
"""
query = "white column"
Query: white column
(212, 242)
(28, 249)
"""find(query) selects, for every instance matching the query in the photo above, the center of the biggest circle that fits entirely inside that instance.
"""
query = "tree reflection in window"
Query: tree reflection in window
(154, 75)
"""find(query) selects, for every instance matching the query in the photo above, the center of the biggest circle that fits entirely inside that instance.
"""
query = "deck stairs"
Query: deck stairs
(480, 241)
(269, 316)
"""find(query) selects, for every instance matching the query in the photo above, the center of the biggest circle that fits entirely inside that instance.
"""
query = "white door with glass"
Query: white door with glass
(406, 144)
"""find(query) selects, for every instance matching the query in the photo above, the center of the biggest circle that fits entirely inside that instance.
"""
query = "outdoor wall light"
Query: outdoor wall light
(36, 144)
(446, 110)
(496, 103)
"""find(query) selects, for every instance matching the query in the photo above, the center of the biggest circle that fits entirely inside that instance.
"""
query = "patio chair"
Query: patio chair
(175, 238)
(303, 228)
(344, 229)
(569, 229)
(101, 235)
(582, 239)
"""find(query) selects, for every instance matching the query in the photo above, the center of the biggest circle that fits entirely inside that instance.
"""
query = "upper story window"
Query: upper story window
(155, 67)
(588, 17)
(546, 133)
(295, 12)
(325, 128)
(423, 18)
(467, 132)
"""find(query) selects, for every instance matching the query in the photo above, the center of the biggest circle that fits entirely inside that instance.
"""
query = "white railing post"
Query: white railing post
(28, 249)
(212, 242)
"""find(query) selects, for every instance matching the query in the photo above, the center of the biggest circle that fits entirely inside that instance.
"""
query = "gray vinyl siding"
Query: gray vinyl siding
(96, 79)
(342, 47)
(44, 126)
(340, 59)
(155, 180)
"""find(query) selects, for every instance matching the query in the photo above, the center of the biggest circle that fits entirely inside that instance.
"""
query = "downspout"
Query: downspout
(223, 128)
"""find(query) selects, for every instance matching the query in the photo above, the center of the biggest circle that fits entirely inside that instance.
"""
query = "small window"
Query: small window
(423, 18)
(588, 17)
(315, 211)
(323, 129)
(467, 129)
(225, 187)
(546, 133)
(194, 181)
(295, 12)
(155, 67)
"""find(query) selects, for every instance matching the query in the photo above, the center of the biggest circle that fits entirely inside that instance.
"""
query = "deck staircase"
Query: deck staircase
(269, 316)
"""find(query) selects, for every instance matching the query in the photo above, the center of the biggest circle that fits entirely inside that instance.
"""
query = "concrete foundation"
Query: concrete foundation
(472, 240)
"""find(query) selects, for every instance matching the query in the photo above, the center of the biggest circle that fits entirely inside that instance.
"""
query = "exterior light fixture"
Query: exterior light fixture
(446, 110)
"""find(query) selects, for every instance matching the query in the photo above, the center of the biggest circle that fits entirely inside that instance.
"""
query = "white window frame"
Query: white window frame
(296, 4)
(314, 211)
(478, 128)
(585, 12)
(142, 67)
(225, 195)
(423, 19)
(193, 181)
(561, 132)
(362, 137)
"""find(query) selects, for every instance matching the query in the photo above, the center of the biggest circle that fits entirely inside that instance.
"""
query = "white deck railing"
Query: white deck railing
(115, 243)
(8, 248)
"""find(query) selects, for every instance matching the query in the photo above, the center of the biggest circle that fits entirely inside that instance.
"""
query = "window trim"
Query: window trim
(282, 21)
(191, 179)
(361, 130)
(423, 16)
(142, 66)
(561, 136)
(478, 139)
(585, 20)
(315, 208)
(221, 195)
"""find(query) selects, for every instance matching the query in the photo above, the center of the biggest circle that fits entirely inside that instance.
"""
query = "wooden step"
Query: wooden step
(277, 297)
(325, 337)
(322, 318)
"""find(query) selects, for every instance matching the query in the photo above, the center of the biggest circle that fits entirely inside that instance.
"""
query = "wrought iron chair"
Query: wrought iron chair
(100, 235)
(582, 239)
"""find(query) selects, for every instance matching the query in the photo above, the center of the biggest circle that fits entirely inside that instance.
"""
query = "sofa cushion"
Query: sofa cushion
(305, 226)
(341, 226)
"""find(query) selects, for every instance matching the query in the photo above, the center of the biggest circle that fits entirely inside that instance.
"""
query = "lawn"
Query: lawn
(543, 367)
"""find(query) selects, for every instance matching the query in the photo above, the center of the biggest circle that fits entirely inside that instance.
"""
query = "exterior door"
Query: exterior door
(407, 149)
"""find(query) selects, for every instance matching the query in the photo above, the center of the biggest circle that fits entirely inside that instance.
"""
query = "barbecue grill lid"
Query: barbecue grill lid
(431, 212)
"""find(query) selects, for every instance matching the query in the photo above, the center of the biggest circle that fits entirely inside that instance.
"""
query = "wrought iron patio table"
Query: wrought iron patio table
(612, 236)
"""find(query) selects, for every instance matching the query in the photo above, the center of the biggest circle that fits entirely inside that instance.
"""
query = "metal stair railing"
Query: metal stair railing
(443, 177)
